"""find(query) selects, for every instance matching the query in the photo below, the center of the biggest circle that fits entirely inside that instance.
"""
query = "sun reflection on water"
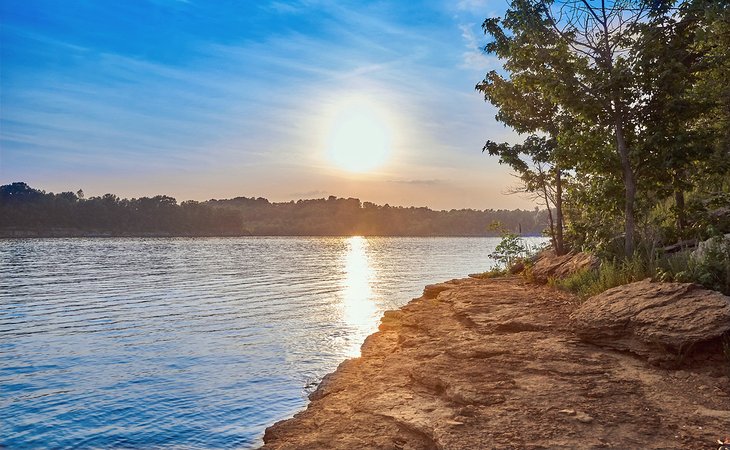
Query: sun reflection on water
(359, 310)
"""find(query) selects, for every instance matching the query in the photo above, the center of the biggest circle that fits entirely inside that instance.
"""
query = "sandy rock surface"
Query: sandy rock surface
(495, 363)
(660, 321)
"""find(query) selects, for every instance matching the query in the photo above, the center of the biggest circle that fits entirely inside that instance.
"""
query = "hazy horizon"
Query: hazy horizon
(506, 201)
(305, 197)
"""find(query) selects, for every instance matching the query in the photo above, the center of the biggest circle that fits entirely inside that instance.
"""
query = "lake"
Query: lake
(192, 342)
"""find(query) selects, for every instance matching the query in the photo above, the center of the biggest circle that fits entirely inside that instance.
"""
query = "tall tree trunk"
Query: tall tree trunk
(559, 247)
(621, 147)
(546, 198)
(679, 204)
(629, 184)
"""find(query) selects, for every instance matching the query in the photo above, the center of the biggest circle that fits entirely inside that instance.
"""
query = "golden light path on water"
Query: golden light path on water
(358, 306)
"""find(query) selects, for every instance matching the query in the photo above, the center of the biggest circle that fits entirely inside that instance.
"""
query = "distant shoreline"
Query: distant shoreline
(30, 212)
(31, 234)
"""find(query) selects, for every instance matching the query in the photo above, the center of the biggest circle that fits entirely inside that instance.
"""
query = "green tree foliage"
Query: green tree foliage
(635, 96)
(509, 249)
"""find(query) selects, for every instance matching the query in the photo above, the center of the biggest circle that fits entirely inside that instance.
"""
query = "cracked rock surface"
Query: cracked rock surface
(495, 363)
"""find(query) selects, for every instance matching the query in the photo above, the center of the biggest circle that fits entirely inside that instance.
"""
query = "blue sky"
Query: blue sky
(214, 99)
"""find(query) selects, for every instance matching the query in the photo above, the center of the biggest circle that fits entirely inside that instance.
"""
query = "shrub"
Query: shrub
(509, 249)
(712, 270)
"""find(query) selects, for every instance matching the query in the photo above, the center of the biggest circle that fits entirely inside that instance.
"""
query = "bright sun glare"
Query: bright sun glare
(359, 137)
(357, 295)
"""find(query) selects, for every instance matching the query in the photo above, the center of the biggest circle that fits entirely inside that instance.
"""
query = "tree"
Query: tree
(573, 57)
(539, 175)
(527, 107)
(34, 212)
(671, 139)
(19, 192)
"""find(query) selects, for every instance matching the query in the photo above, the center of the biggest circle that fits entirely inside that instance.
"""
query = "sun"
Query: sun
(359, 136)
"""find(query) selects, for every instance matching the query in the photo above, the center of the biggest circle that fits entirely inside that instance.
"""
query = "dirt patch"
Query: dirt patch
(494, 364)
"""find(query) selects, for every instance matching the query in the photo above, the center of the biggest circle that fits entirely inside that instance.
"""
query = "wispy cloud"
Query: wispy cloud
(238, 96)
(432, 182)
(473, 5)
(474, 57)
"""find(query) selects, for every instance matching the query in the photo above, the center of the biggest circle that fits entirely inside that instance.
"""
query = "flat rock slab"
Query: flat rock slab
(660, 321)
(494, 363)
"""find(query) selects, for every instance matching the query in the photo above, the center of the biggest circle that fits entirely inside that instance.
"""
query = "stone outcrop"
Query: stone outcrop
(660, 321)
(704, 248)
(548, 265)
(494, 363)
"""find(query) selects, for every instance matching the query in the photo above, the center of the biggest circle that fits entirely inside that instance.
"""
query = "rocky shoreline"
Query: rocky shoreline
(497, 363)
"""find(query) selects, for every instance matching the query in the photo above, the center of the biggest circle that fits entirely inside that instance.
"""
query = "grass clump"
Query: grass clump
(710, 269)
(610, 274)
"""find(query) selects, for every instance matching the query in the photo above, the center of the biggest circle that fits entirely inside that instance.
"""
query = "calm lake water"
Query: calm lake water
(192, 343)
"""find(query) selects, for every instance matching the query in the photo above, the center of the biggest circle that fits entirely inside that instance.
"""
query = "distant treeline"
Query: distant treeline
(25, 211)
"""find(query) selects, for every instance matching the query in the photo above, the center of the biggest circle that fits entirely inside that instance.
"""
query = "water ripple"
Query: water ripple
(191, 343)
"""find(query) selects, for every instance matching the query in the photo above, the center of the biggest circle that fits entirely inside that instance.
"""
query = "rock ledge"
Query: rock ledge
(495, 363)
(660, 321)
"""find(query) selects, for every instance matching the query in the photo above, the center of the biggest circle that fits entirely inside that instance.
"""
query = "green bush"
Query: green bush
(509, 249)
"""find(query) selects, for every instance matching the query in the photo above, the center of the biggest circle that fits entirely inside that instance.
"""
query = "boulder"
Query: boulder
(660, 321)
(713, 244)
(548, 265)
